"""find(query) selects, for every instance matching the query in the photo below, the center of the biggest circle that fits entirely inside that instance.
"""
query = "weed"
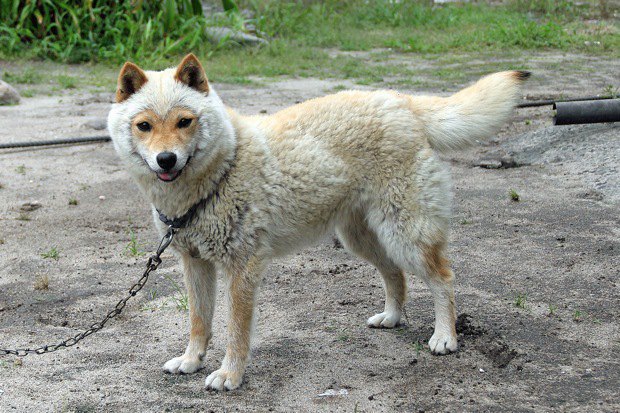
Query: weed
(343, 336)
(552, 309)
(67, 82)
(528, 121)
(28, 93)
(23, 217)
(27, 76)
(577, 316)
(133, 248)
(339, 88)
(182, 301)
(42, 283)
(84, 187)
(52, 253)
(514, 195)
(21, 169)
(73, 201)
(465, 221)
(418, 347)
(520, 301)
(610, 91)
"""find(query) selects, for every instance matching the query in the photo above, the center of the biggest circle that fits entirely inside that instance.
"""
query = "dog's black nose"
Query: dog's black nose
(166, 160)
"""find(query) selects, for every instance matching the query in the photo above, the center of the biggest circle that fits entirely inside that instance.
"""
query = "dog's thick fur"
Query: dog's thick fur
(362, 163)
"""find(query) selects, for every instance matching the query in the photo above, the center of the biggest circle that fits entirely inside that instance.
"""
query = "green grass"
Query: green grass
(514, 195)
(521, 300)
(180, 299)
(73, 201)
(67, 82)
(133, 247)
(27, 76)
(307, 38)
(51, 254)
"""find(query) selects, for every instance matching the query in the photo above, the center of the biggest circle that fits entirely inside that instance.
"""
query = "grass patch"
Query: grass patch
(51, 254)
(28, 76)
(133, 248)
(514, 196)
(418, 347)
(67, 82)
(181, 300)
(21, 169)
(521, 301)
(73, 201)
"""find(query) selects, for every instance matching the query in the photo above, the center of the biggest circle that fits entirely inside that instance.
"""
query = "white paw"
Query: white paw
(183, 365)
(223, 380)
(385, 319)
(443, 343)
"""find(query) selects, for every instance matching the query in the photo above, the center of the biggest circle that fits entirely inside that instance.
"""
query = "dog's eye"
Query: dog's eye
(144, 126)
(184, 123)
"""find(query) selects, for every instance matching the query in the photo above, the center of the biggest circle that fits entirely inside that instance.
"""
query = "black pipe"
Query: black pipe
(549, 102)
(590, 111)
(55, 142)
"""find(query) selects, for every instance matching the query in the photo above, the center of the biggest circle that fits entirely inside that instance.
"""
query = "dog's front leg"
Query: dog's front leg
(200, 281)
(242, 289)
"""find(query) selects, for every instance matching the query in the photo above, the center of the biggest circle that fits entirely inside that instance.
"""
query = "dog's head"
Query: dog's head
(165, 122)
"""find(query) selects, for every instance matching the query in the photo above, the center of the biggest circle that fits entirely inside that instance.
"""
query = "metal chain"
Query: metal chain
(151, 265)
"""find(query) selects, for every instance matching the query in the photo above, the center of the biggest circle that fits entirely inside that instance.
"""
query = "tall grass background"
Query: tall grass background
(158, 31)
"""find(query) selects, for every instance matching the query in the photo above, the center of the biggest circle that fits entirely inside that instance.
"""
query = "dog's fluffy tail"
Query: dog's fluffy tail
(474, 113)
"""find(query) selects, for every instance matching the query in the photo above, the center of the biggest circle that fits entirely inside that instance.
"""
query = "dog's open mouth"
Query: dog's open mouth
(168, 176)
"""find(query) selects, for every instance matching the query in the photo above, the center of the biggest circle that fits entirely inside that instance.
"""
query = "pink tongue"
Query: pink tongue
(165, 176)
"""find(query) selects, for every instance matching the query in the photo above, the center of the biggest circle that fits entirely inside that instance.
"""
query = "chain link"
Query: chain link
(151, 265)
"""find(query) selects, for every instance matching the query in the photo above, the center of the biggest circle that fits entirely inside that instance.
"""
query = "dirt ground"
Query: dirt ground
(538, 289)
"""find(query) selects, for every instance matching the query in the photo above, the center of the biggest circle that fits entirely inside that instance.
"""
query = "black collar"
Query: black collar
(183, 220)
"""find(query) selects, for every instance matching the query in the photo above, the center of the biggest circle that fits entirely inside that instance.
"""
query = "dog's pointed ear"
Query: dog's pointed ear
(130, 80)
(191, 73)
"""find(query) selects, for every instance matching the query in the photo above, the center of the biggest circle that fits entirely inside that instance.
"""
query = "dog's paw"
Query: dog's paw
(183, 365)
(223, 380)
(384, 320)
(443, 343)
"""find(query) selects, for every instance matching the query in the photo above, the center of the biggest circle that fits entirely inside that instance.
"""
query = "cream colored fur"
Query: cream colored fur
(360, 163)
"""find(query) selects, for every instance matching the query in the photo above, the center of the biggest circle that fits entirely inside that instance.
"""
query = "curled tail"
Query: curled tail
(474, 113)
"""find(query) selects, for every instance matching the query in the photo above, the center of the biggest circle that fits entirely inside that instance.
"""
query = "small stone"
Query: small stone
(30, 206)
(97, 124)
(508, 161)
(18, 362)
(262, 111)
(489, 164)
(102, 197)
(219, 34)
(8, 95)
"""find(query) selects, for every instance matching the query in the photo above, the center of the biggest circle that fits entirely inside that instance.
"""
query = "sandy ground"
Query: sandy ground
(552, 349)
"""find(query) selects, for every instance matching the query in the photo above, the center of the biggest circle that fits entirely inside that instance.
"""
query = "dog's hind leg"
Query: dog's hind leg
(200, 281)
(440, 280)
(358, 238)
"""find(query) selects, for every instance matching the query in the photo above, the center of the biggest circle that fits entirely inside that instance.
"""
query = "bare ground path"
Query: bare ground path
(538, 278)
